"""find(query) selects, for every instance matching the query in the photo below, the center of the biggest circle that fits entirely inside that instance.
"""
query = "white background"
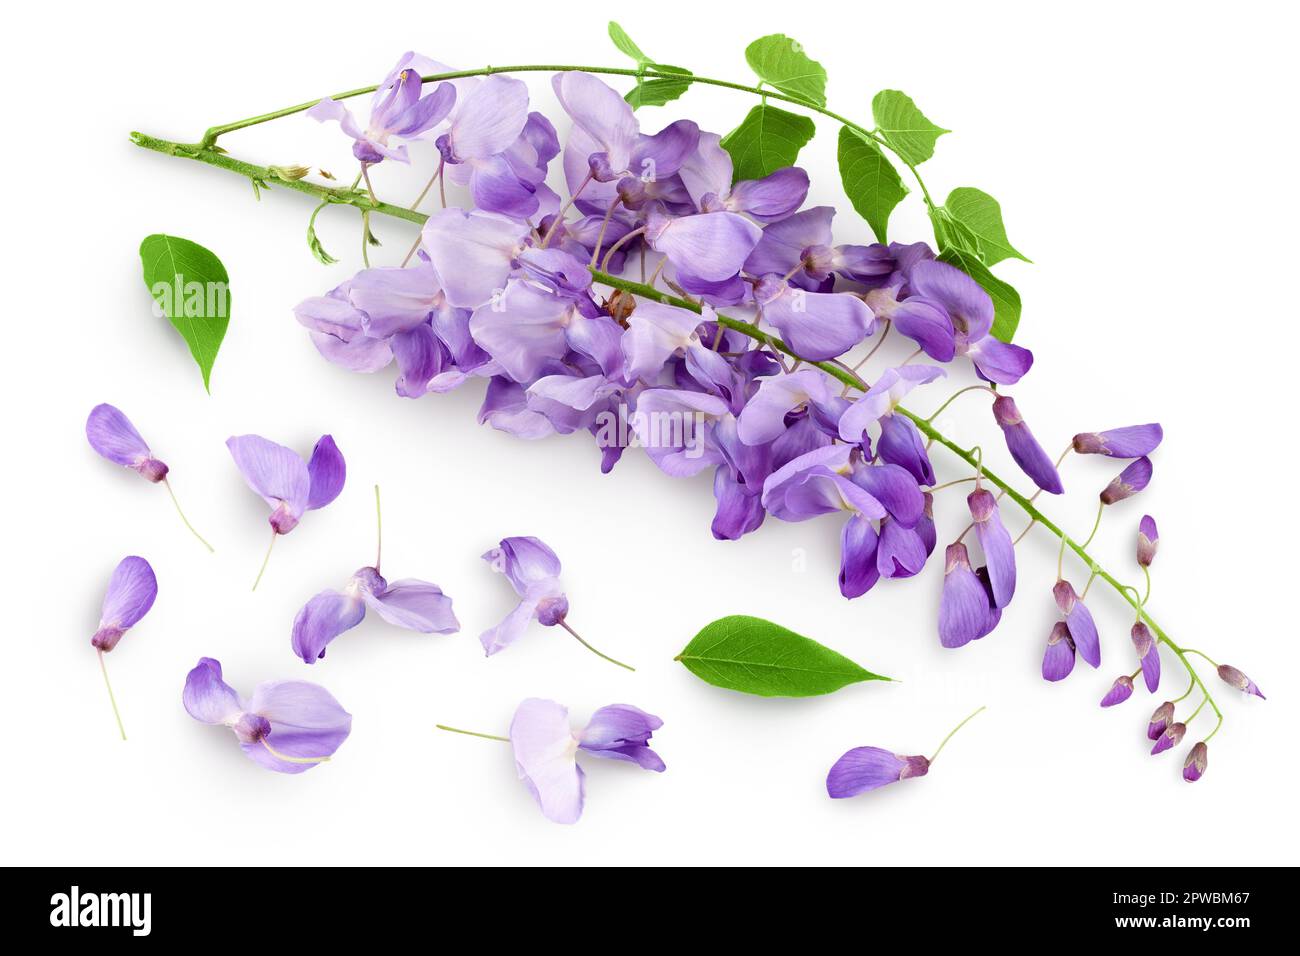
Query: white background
(1144, 158)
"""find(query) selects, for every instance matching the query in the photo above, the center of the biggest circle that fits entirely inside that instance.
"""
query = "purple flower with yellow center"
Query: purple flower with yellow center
(397, 109)
(131, 593)
(1133, 441)
(1172, 736)
(1025, 450)
(1148, 652)
(949, 314)
(1197, 759)
(533, 570)
(546, 749)
(1128, 482)
(1148, 541)
(287, 725)
(288, 484)
(1058, 657)
(967, 610)
(1119, 692)
(1235, 678)
(1160, 719)
(113, 436)
(869, 768)
(1083, 631)
(410, 603)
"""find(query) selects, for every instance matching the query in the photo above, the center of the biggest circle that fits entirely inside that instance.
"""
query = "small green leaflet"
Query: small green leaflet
(755, 656)
(781, 62)
(651, 91)
(981, 231)
(870, 181)
(1006, 300)
(905, 127)
(192, 289)
(767, 140)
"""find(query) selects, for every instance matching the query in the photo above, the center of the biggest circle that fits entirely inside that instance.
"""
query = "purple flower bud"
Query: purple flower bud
(868, 768)
(1235, 678)
(1148, 541)
(1024, 447)
(1058, 658)
(113, 436)
(1083, 630)
(1119, 692)
(1194, 765)
(1160, 720)
(1170, 738)
(130, 595)
(1134, 441)
(1148, 653)
(1128, 482)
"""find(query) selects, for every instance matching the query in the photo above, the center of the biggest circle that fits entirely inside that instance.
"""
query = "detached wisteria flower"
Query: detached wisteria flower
(288, 726)
(288, 484)
(1133, 441)
(113, 436)
(410, 603)
(131, 593)
(870, 768)
(533, 571)
(546, 750)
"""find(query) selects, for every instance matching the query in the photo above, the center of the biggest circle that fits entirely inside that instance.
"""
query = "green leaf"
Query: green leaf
(905, 127)
(767, 140)
(781, 62)
(656, 91)
(870, 181)
(980, 216)
(191, 286)
(625, 43)
(755, 656)
(1006, 300)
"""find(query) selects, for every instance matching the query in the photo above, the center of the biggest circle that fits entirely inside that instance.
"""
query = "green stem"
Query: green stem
(472, 733)
(943, 743)
(111, 699)
(183, 518)
(265, 561)
(205, 152)
(565, 624)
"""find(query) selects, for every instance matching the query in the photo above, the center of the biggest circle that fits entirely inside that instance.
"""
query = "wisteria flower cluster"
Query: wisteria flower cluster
(670, 289)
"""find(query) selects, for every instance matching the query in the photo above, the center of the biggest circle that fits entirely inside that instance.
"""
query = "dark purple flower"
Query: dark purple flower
(1194, 765)
(1235, 678)
(288, 484)
(1148, 541)
(1128, 482)
(1083, 631)
(869, 768)
(966, 608)
(1170, 738)
(1119, 692)
(546, 749)
(288, 726)
(995, 541)
(1134, 441)
(130, 595)
(1160, 719)
(1058, 657)
(396, 110)
(111, 434)
(1024, 447)
(1148, 652)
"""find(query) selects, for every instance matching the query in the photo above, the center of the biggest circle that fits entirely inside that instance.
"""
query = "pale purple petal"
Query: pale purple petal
(995, 542)
(545, 757)
(773, 197)
(497, 188)
(711, 246)
(327, 471)
(323, 618)
(525, 561)
(816, 325)
(510, 629)
(207, 697)
(1000, 361)
(964, 609)
(654, 333)
(868, 768)
(523, 330)
(707, 172)
(306, 722)
(622, 732)
(763, 417)
(967, 304)
(112, 435)
(131, 592)
(927, 324)
(1133, 441)
(902, 551)
(414, 605)
(276, 473)
(420, 357)
(489, 119)
(472, 253)
(394, 300)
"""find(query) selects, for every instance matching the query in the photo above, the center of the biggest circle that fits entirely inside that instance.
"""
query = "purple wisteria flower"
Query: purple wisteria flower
(533, 570)
(113, 436)
(1119, 692)
(900, 442)
(995, 541)
(288, 484)
(131, 593)
(967, 608)
(1024, 447)
(397, 109)
(546, 750)
(1058, 658)
(1148, 541)
(287, 726)
(1128, 482)
(1172, 737)
(1197, 759)
(1161, 717)
(1133, 441)
(1148, 652)
(1083, 631)
(869, 768)
(1235, 678)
